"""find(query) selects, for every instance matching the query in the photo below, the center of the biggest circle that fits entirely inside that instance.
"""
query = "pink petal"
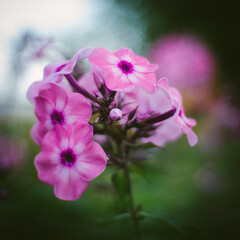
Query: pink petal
(87, 82)
(48, 166)
(91, 162)
(78, 108)
(139, 60)
(55, 140)
(116, 80)
(43, 109)
(69, 185)
(146, 68)
(192, 138)
(125, 54)
(147, 81)
(35, 134)
(167, 132)
(163, 82)
(33, 90)
(101, 57)
(80, 135)
(56, 95)
(57, 70)
(44, 127)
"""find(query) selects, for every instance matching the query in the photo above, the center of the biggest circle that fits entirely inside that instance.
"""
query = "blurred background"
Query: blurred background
(195, 44)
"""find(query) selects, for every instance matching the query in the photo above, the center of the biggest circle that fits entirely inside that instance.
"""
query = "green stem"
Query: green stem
(133, 210)
(131, 205)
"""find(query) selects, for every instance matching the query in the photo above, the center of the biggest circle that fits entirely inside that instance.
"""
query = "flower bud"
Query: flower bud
(113, 105)
(115, 114)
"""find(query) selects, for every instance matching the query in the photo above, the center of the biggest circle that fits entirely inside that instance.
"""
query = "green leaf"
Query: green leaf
(120, 182)
(117, 218)
(165, 223)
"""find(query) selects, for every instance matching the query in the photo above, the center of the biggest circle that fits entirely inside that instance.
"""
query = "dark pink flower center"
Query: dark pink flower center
(57, 117)
(68, 157)
(125, 66)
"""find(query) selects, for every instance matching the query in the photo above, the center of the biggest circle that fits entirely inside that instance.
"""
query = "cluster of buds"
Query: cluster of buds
(119, 98)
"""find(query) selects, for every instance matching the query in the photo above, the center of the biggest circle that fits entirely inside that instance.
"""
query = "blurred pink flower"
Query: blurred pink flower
(222, 120)
(12, 153)
(184, 60)
(123, 70)
(55, 106)
(54, 72)
(70, 160)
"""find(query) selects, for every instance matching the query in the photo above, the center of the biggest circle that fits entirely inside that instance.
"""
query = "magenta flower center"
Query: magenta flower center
(68, 157)
(125, 66)
(57, 117)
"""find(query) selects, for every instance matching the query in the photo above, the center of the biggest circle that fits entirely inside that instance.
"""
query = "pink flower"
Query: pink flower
(123, 70)
(54, 72)
(55, 107)
(184, 60)
(163, 100)
(70, 160)
(12, 153)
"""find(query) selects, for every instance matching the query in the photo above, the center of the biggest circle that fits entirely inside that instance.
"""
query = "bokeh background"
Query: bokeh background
(196, 44)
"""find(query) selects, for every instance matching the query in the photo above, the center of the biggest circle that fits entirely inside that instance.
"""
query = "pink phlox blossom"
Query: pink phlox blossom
(184, 60)
(70, 160)
(55, 72)
(123, 69)
(12, 153)
(55, 106)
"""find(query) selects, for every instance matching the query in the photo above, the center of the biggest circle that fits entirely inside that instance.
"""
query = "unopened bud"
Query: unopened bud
(113, 105)
(115, 114)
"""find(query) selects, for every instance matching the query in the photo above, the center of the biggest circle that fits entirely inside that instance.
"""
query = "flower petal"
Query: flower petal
(56, 95)
(43, 109)
(149, 68)
(47, 165)
(192, 138)
(80, 134)
(116, 80)
(35, 134)
(78, 108)
(102, 57)
(69, 185)
(91, 162)
(125, 54)
(56, 71)
(146, 81)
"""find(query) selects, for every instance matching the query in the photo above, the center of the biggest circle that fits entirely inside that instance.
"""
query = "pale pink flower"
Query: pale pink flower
(123, 69)
(163, 100)
(55, 72)
(55, 106)
(70, 160)
(179, 117)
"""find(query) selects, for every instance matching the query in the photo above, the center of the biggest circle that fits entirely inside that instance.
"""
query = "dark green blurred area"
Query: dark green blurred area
(195, 190)
(176, 188)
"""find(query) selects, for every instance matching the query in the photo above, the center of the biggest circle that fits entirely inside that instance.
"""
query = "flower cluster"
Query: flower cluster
(119, 98)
